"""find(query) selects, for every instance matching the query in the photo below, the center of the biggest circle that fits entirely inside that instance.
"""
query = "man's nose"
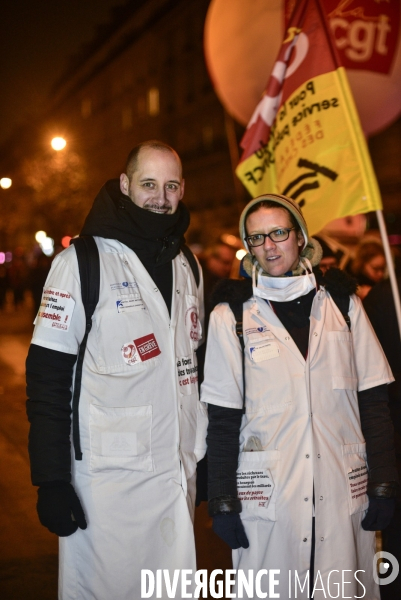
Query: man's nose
(160, 195)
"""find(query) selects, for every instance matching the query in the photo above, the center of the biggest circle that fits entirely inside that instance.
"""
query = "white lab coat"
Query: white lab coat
(142, 427)
(306, 417)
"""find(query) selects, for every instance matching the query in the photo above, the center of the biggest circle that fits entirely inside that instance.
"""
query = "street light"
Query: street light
(40, 236)
(5, 183)
(58, 143)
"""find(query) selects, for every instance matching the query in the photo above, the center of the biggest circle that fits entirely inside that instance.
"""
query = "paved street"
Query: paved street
(28, 552)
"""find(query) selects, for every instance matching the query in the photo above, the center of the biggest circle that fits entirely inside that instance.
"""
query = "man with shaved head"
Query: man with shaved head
(124, 500)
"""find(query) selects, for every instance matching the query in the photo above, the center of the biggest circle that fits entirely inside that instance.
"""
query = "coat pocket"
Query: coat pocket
(340, 353)
(356, 473)
(344, 383)
(125, 342)
(257, 484)
(120, 438)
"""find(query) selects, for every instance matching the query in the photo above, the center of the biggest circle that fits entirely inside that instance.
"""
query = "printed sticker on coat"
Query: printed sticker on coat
(192, 323)
(125, 287)
(130, 304)
(187, 373)
(255, 487)
(358, 483)
(140, 350)
(56, 308)
(130, 353)
(147, 347)
(264, 351)
(255, 330)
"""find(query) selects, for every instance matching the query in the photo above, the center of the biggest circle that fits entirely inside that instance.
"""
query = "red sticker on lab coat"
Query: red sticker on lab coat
(147, 347)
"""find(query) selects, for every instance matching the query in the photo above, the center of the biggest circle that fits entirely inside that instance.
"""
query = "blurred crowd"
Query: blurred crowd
(22, 280)
(26, 273)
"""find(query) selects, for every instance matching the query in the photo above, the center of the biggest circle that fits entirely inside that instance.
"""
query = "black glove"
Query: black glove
(229, 527)
(379, 514)
(59, 508)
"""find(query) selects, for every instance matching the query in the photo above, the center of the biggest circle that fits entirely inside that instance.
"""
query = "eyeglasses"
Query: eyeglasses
(278, 235)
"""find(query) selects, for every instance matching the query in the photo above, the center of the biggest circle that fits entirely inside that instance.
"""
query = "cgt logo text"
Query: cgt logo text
(186, 583)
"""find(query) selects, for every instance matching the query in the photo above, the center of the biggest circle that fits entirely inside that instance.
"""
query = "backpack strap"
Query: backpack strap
(89, 273)
(238, 312)
(340, 286)
(342, 303)
(192, 262)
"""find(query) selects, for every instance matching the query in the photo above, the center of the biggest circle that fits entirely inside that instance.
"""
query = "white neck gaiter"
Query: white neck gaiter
(284, 289)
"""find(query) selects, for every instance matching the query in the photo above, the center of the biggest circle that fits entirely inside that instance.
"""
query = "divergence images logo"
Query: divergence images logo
(385, 568)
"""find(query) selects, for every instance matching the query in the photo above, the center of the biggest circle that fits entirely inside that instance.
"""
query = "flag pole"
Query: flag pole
(390, 266)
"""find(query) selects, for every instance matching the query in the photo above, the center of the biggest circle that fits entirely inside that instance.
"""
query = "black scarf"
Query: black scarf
(155, 238)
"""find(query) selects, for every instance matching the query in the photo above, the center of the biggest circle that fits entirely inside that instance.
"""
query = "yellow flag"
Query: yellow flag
(304, 139)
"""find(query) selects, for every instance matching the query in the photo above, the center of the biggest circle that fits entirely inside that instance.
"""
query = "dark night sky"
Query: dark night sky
(36, 39)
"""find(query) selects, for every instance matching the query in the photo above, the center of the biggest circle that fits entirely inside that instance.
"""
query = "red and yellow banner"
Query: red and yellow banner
(304, 138)
(365, 32)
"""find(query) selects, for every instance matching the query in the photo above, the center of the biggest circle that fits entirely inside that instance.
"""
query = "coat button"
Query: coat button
(321, 497)
(307, 456)
(321, 539)
(287, 338)
(315, 334)
(306, 499)
(318, 455)
(178, 291)
(305, 539)
(156, 289)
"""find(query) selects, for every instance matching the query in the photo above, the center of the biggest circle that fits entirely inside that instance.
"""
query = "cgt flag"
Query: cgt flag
(304, 139)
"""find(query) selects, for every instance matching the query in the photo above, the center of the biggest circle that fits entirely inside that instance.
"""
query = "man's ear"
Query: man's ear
(124, 183)
(182, 188)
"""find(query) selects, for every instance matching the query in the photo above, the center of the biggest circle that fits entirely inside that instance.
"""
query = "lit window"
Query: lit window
(153, 102)
(86, 108)
(126, 118)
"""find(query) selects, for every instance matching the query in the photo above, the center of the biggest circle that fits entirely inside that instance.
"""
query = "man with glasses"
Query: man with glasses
(300, 443)
(127, 503)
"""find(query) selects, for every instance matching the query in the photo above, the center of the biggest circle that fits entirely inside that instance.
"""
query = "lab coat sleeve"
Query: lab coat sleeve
(64, 277)
(222, 384)
(372, 368)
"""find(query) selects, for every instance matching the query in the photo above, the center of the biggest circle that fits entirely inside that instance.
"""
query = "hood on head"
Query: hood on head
(281, 201)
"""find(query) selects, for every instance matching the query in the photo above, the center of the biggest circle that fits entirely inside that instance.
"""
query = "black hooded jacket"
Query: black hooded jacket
(156, 239)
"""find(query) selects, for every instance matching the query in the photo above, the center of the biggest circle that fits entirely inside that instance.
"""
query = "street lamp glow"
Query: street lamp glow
(47, 246)
(58, 143)
(40, 236)
(240, 254)
(5, 183)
